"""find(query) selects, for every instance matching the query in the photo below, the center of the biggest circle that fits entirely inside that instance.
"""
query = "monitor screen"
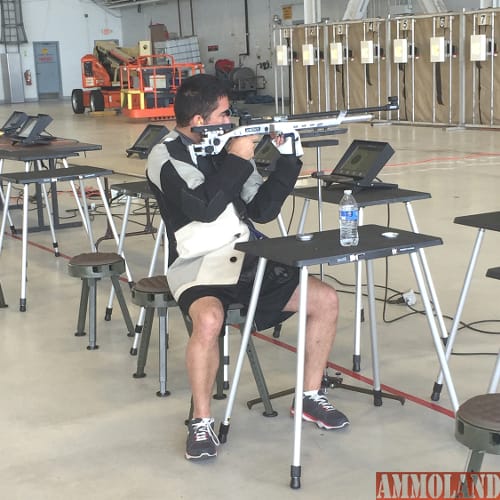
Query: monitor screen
(151, 136)
(16, 120)
(28, 127)
(359, 158)
(31, 132)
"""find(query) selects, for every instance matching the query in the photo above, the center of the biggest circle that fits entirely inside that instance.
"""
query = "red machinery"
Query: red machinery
(141, 87)
(100, 77)
(149, 85)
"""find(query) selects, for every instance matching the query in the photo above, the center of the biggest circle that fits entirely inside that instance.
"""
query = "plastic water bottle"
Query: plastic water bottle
(348, 220)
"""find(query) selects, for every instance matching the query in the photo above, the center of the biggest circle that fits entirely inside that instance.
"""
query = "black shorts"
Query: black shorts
(278, 285)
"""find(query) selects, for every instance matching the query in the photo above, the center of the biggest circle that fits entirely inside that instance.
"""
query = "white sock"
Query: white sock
(311, 393)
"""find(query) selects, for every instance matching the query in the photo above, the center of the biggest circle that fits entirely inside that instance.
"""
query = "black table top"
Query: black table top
(325, 248)
(137, 189)
(57, 148)
(488, 220)
(52, 175)
(365, 197)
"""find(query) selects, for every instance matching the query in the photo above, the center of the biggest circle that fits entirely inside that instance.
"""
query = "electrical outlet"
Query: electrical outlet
(410, 298)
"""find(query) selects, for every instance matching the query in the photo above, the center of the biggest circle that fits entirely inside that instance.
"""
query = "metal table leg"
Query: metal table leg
(295, 469)
(121, 239)
(5, 215)
(24, 258)
(224, 426)
(427, 275)
(438, 385)
(434, 330)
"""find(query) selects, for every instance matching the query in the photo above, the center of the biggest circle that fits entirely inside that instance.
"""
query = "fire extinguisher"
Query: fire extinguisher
(27, 77)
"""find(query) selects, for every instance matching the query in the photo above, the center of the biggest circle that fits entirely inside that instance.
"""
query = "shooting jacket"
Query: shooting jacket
(207, 204)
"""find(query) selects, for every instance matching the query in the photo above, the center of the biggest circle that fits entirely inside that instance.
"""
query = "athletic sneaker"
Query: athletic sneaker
(202, 441)
(317, 409)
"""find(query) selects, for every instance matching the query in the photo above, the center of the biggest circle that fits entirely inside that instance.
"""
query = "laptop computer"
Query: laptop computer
(359, 166)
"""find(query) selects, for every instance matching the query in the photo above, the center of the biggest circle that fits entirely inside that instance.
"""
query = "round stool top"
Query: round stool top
(95, 259)
(482, 411)
(153, 284)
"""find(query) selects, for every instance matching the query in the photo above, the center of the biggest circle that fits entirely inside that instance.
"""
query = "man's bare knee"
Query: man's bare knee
(207, 317)
(324, 299)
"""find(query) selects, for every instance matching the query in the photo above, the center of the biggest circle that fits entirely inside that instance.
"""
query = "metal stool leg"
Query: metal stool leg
(140, 321)
(473, 465)
(144, 345)
(163, 348)
(220, 379)
(92, 302)
(123, 305)
(259, 379)
(2, 298)
(475, 461)
(82, 311)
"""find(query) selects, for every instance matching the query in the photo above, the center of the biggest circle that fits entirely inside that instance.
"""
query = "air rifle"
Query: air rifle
(215, 137)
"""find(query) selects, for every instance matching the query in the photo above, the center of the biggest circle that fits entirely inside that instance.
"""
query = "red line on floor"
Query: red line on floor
(37, 245)
(362, 378)
(279, 343)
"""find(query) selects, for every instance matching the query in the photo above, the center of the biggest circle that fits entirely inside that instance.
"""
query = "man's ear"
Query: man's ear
(197, 120)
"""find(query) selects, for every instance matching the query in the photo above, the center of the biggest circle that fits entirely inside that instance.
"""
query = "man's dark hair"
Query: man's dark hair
(197, 95)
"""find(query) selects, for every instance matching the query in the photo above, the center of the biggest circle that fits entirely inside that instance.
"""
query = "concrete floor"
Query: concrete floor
(76, 425)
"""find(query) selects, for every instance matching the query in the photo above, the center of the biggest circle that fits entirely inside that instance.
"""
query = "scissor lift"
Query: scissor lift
(148, 85)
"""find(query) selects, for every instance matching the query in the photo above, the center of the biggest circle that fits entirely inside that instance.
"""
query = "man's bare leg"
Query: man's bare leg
(202, 352)
(202, 361)
(322, 314)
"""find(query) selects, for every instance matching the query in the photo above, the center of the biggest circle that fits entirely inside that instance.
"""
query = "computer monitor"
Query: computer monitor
(360, 165)
(148, 138)
(31, 131)
(364, 159)
(15, 121)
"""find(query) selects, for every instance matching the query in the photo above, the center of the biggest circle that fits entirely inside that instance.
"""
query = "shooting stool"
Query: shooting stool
(153, 293)
(478, 419)
(91, 267)
(478, 427)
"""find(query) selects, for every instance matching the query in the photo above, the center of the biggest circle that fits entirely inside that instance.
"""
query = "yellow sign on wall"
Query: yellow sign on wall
(287, 13)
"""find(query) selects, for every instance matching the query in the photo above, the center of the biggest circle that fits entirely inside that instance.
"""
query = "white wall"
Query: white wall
(64, 21)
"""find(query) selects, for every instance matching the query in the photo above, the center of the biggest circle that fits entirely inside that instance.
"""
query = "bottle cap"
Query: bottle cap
(347, 191)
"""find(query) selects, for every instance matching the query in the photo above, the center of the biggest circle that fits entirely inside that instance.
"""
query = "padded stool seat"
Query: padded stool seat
(91, 267)
(96, 265)
(153, 293)
(477, 426)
